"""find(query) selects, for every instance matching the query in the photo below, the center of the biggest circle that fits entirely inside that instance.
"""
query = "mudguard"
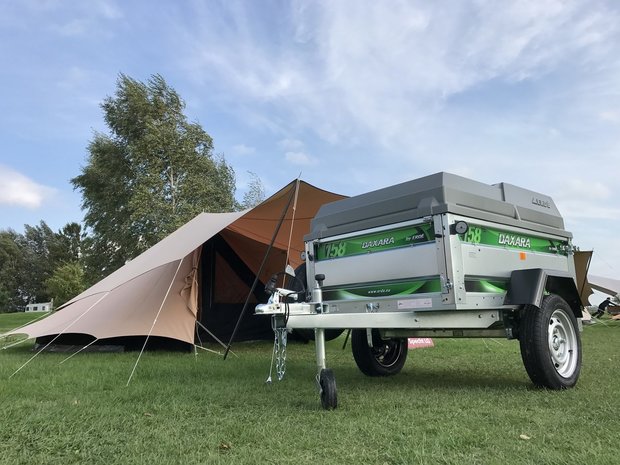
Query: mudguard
(527, 287)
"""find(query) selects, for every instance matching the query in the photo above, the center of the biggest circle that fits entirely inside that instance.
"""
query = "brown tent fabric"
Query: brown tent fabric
(158, 292)
(582, 264)
(258, 223)
(587, 283)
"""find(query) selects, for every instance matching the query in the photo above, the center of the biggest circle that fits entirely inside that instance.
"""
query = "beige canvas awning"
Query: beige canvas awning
(607, 286)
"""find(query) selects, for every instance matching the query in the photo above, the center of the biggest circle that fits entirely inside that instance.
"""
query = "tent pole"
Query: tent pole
(260, 270)
(290, 234)
(213, 336)
(154, 321)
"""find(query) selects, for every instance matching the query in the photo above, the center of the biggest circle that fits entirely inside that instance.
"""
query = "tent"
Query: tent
(607, 286)
(587, 283)
(192, 284)
(582, 265)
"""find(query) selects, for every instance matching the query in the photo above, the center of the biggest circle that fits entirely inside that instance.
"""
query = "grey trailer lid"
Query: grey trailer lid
(435, 194)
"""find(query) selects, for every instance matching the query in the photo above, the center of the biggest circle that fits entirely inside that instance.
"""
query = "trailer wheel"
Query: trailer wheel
(550, 344)
(327, 384)
(386, 358)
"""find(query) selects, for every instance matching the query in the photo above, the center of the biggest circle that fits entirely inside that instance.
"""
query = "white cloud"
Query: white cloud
(585, 198)
(290, 144)
(381, 70)
(388, 91)
(81, 19)
(74, 78)
(593, 190)
(610, 116)
(300, 158)
(107, 9)
(243, 150)
(21, 191)
(73, 28)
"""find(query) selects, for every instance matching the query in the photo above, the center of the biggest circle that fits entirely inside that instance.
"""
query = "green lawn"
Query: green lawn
(462, 402)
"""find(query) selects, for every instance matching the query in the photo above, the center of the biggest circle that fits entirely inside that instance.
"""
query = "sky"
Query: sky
(354, 95)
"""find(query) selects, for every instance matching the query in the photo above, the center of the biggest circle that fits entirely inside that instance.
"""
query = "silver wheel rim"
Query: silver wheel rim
(563, 344)
(388, 354)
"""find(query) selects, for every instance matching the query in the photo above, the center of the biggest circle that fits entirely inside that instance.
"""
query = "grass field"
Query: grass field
(461, 402)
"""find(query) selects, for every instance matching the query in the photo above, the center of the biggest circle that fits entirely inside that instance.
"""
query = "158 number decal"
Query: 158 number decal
(335, 249)
(473, 235)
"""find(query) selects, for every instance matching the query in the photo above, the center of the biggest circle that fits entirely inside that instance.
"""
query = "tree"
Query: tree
(35, 245)
(255, 193)
(11, 266)
(66, 282)
(150, 175)
(28, 260)
(66, 245)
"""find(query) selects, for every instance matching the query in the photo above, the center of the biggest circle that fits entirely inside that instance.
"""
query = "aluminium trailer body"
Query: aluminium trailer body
(439, 256)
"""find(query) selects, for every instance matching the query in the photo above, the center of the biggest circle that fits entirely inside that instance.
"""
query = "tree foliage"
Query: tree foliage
(11, 271)
(152, 173)
(28, 260)
(66, 282)
(38, 264)
(255, 193)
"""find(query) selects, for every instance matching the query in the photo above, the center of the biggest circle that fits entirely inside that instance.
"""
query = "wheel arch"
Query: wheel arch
(528, 287)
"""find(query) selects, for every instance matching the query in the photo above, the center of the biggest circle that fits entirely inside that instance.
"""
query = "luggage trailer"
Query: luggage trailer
(439, 256)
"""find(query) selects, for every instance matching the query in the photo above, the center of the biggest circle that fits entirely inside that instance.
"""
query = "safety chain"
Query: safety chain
(280, 351)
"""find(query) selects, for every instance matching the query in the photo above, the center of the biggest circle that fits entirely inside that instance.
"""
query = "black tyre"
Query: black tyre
(386, 358)
(327, 383)
(550, 344)
(300, 283)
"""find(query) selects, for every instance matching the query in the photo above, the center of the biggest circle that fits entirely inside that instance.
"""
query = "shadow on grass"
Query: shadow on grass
(435, 378)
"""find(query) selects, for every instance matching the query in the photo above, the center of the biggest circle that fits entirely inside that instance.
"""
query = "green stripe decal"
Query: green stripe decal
(389, 289)
(376, 242)
(486, 285)
(509, 240)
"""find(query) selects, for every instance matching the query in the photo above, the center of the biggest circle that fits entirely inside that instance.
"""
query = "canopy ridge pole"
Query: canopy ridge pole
(60, 334)
(260, 270)
(155, 321)
(75, 353)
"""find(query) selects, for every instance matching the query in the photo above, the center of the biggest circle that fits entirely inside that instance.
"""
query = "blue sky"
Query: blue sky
(355, 95)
